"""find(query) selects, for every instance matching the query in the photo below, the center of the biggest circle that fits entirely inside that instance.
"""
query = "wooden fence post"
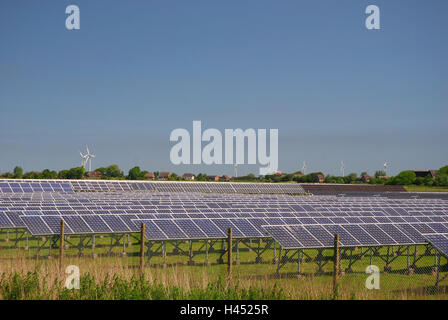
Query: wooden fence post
(61, 246)
(229, 252)
(142, 249)
(336, 265)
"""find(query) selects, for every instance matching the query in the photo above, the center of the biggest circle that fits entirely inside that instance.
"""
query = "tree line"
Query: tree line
(407, 177)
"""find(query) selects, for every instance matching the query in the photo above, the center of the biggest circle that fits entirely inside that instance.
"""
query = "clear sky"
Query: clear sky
(136, 70)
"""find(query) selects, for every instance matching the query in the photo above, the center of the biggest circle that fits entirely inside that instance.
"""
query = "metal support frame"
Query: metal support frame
(206, 252)
(259, 250)
(438, 278)
(150, 253)
(296, 255)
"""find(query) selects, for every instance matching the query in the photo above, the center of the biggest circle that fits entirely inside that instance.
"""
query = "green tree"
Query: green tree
(135, 174)
(76, 173)
(443, 170)
(112, 171)
(441, 180)
(32, 175)
(7, 175)
(404, 178)
(380, 173)
(352, 177)
(18, 172)
(428, 180)
(47, 174)
(173, 177)
(63, 174)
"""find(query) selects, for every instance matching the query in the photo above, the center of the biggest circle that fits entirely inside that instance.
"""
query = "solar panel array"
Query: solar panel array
(439, 241)
(294, 222)
(156, 186)
(7, 186)
(351, 235)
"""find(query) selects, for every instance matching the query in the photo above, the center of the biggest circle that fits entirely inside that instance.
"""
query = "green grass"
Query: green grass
(24, 275)
(425, 189)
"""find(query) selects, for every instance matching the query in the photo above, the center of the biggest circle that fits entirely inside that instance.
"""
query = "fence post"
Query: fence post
(142, 249)
(336, 265)
(229, 252)
(61, 246)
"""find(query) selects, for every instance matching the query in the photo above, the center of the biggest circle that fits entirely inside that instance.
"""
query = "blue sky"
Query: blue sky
(137, 70)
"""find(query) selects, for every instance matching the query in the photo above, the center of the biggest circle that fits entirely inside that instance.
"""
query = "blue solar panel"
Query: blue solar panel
(345, 238)
(248, 230)
(283, 237)
(36, 225)
(77, 224)
(115, 223)
(439, 241)
(96, 224)
(304, 237)
(378, 234)
(170, 229)
(5, 222)
(359, 234)
(210, 229)
(320, 233)
(190, 229)
(225, 224)
(411, 232)
(396, 234)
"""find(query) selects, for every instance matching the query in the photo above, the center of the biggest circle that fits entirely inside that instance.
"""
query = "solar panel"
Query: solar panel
(36, 225)
(439, 241)
(283, 237)
(170, 229)
(97, 224)
(305, 238)
(190, 229)
(5, 222)
(115, 223)
(77, 224)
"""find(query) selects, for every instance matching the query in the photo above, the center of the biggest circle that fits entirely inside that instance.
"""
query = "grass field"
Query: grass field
(23, 275)
(425, 189)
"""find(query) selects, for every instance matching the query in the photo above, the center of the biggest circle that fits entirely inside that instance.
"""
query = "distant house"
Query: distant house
(425, 173)
(164, 175)
(278, 174)
(298, 175)
(365, 178)
(320, 178)
(188, 176)
(213, 178)
(94, 174)
(150, 176)
(225, 177)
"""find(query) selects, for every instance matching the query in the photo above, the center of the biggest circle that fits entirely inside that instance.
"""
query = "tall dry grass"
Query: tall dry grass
(23, 277)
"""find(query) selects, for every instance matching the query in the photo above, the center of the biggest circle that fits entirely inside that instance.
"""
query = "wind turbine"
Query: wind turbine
(84, 159)
(236, 169)
(342, 168)
(87, 158)
(386, 164)
(304, 167)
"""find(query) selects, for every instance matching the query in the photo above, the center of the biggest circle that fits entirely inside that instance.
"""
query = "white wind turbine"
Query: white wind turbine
(87, 158)
(385, 165)
(304, 167)
(235, 169)
(342, 168)
(84, 159)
